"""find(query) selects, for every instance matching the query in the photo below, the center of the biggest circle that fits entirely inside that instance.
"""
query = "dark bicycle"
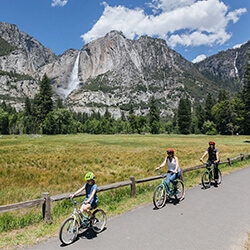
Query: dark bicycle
(208, 176)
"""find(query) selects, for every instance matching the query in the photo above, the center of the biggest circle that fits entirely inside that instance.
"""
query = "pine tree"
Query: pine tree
(184, 116)
(200, 114)
(209, 103)
(154, 116)
(224, 116)
(43, 103)
(246, 99)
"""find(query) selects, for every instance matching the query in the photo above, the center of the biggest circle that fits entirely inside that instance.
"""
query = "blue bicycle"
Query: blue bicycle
(162, 192)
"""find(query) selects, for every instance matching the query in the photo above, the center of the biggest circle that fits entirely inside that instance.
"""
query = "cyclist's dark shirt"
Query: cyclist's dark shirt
(212, 153)
(89, 190)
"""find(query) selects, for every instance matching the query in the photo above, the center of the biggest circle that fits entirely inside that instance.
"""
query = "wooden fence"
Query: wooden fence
(46, 199)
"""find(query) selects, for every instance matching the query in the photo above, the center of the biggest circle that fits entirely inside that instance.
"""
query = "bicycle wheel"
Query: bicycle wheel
(180, 190)
(160, 196)
(206, 179)
(100, 220)
(219, 177)
(68, 231)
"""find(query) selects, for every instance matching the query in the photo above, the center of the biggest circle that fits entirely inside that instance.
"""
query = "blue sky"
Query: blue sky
(193, 28)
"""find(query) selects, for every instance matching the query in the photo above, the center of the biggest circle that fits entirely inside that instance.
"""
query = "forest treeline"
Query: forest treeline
(223, 114)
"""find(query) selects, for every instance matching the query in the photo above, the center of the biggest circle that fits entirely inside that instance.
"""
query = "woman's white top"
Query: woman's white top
(172, 164)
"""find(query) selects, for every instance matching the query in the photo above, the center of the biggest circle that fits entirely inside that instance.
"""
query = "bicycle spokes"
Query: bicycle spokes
(159, 196)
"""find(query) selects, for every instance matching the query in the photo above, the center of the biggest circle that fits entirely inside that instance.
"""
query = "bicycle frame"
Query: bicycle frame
(208, 176)
(163, 192)
(169, 190)
(70, 227)
(81, 217)
(210, 170)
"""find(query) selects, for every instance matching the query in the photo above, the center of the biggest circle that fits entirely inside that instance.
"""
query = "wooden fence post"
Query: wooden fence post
(46, 208)
(243, 158)
(229, 161)
(133, 186)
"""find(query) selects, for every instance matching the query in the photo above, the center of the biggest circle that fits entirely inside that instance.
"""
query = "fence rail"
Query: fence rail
(46, 199)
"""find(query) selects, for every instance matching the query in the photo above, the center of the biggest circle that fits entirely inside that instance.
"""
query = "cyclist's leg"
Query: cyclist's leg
(168, 180)
(216, 171)
(85, 208)
(208, 166)
(173, 177)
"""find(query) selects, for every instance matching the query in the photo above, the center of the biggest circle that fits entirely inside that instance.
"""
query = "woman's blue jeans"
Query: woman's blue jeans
(171, 177)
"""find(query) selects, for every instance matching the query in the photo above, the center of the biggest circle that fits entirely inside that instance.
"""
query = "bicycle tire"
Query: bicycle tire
(206, 180)
(100, 220)
(180, 192)
(219, 177)
(68, 231)
(159, 196)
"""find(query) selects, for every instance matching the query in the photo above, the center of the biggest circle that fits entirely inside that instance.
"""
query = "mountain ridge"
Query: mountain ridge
(115, 72)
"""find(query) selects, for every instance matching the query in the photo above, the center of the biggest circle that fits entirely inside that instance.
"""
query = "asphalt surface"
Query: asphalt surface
(215, 218)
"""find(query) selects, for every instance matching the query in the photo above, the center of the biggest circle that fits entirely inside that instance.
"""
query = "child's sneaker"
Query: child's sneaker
(93, 220)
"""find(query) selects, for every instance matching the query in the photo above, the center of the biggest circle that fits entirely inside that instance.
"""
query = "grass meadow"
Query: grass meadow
(31, 165)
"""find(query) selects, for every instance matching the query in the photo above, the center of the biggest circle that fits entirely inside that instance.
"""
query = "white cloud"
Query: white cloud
(58, 2)
(183, 22)
(199, 58)
(169, 5)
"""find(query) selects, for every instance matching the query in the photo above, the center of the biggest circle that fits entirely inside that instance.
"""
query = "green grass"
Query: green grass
(30, 166)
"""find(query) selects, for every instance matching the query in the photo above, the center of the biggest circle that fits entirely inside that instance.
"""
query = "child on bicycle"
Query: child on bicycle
(174, 170)
(213, 158)
(90, 202)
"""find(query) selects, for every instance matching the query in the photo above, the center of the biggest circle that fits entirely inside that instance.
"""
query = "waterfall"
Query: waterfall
(235, 67)
(74, 80)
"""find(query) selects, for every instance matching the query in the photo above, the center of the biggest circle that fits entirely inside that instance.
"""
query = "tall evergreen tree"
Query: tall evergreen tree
(246, 98)
(209, 103)
(200, 114)
(184, 116)
(27, 107)
(154, 116)
(43, 103)
(4, 122)
(224, 116)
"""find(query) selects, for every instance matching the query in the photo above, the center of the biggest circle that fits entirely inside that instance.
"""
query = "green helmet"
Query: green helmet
(89, 176)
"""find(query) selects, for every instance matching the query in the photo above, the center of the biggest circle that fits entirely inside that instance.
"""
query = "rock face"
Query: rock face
(28, 56)
(113, 72)
(226, 66)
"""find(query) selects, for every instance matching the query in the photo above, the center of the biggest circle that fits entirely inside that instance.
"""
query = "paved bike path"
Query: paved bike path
(216, 218)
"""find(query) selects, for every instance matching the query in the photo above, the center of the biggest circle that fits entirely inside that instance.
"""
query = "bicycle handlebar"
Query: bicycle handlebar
(73, 201)
(160, 173)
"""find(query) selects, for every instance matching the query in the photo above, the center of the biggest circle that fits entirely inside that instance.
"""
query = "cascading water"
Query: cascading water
(74, 80)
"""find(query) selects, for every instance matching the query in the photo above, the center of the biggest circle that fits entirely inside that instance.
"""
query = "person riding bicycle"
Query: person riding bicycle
(174, 170)
(91, 200)
(213, 158)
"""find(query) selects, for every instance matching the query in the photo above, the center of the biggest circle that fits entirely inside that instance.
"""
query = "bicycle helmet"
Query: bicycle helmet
(170, 150)
(89, 176)
(212, 143)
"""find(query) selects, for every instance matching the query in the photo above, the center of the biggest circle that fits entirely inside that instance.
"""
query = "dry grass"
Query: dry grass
(57, 164)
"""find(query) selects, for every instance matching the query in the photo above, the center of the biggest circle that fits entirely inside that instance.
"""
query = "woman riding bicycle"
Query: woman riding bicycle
(91, 199)
(174, 170)
(213, 158)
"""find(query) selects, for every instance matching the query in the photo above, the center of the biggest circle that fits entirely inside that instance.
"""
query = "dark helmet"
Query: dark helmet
(212, 143)
(170, 150)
